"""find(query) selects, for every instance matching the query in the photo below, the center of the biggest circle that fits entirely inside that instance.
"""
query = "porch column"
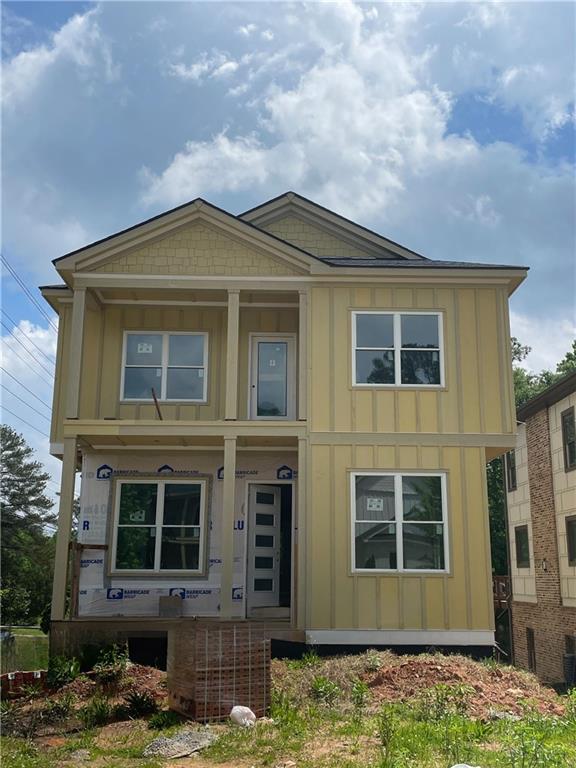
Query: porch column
(64, 529)
(301, 536)
(302, 353)
(76, 339)
(231, 410)
(227, 536)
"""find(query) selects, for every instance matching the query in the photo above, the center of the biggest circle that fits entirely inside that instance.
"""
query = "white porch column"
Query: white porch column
(76, 341)
(301, 536)
(231, 410)
(227, 536)
(64, 529)
(302, 353)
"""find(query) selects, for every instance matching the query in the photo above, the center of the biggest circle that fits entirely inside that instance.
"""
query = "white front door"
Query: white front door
(263, 573)
(273, 377)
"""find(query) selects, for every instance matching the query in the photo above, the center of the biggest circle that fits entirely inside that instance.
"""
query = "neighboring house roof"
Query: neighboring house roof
(558, 391)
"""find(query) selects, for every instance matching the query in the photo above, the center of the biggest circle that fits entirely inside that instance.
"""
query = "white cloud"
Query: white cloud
(550, 339)
(79, 42)
(215, 65)
(247, 29)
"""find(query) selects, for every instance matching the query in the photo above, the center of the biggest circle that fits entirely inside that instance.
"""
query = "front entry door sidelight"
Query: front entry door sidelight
(263, 573)
(273, 377)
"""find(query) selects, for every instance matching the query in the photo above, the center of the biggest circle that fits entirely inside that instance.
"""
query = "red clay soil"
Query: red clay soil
(136, 678)
(496, 688)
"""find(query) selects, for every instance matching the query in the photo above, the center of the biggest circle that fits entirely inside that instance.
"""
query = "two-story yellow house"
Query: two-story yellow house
(279, 417)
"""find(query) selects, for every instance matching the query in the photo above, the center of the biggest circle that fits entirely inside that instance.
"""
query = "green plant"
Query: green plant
(97, 712)
(324, 690)
(571, 706)
(111, 664)
(310, 658)
(386, 727)
(31, 691)
(59, 709)
(285, 713)
(166, 718)
(360, 693)
(140, 703)
(373, 661)
(61, 671)
(442, 700)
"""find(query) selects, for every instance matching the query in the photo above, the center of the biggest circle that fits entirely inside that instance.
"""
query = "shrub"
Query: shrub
(140, 703)
(324, 690)
(97, 712)
(111, 664)
(166, 718)
(58, 709)
(61, 671)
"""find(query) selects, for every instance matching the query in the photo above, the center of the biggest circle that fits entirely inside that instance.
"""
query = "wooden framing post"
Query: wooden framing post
(76, 340)
(302, 354)
(227, 536)
(232, 341)
(301, 535)
(64, 529)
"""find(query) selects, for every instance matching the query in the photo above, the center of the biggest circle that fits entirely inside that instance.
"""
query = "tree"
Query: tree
(27, 548)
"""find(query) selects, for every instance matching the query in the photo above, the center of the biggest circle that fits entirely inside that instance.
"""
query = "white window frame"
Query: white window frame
(291, 374)
(397, 349)
(164, 365)
(160, 483)
(398, 521)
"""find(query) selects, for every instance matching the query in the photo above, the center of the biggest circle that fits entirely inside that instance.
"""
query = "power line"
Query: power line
(27, 292)
(25, 422)
(50, 358)
(25, 403)
(26, 388)
(26, 350)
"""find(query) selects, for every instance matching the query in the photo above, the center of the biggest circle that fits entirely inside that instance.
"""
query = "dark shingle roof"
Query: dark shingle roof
(351, 261)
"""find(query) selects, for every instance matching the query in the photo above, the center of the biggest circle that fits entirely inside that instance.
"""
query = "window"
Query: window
(511, 484)
(531, 649)
(571, 539)
(522, 546)
(159, 525)
(399, 522)
(397, 349)
(174, 364)
(569, 439)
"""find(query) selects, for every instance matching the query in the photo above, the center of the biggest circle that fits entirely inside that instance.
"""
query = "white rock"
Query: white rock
(243, 716)
(464, 765)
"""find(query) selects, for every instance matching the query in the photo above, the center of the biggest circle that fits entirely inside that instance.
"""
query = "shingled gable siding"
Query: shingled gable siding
(550, 620)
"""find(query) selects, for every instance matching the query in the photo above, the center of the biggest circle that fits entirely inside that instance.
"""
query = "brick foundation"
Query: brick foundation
(550, 620)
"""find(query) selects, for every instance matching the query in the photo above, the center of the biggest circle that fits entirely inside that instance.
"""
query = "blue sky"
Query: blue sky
(446, 127)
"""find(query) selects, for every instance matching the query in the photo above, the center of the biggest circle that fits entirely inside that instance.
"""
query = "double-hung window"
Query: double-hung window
(173, 364)
(511, 482)
(399, 522)
(522, 542)
(159, 525)
(397, 349)
(569, 439)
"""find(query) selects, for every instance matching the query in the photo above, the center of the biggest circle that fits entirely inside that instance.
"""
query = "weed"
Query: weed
(324, 690)
(166, 718)
(387, 726)
(442, 700)
(58, 709)
(31, 691)
(97, 712)
(571, 706)
(140, 703)
(111, 664)
(61, 671)
(373, 661)
(360, 693)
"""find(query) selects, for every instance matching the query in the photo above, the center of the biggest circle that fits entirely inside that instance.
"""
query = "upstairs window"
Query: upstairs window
(522, 546)
(397, 349)
(569, 439)
(571, 539)
(511, 482)
(399, 522)
(173, 364)
(159, 526)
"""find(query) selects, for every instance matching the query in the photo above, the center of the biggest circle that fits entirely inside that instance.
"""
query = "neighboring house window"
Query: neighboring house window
(173, 364)
(397, 349)
(511, 483)
(571, 539)
(522, 546)
(159, 525)
(569, 439)
(399, 522)
(531, 649)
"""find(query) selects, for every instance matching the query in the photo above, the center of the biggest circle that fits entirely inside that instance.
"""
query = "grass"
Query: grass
(28, 631)
(25, 652)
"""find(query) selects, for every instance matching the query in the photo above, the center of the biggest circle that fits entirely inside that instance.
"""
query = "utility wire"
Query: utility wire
(49, 358)
(25, 349)
(26, 388)
(25, 403)
(25, 422)
(26, 290)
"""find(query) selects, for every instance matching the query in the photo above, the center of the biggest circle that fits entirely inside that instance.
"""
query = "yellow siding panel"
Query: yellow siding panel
(318, 528)
(412, 602)
(342, 415)
(342, 587)
(468, 349)
(320, 354)
(490, 372)
(458, 505)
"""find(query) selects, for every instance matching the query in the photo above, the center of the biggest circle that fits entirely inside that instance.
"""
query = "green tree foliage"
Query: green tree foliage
(526, 386)
(27, 546)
